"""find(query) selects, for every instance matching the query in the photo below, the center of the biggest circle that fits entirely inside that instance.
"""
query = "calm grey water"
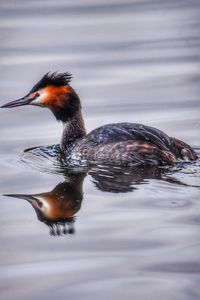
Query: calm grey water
(137, 233)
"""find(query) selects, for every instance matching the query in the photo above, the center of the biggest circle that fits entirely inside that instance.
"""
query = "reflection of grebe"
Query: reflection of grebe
(120, 144)
(58, 207)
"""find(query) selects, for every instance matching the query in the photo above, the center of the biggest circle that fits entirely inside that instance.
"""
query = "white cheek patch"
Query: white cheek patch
(39, 100)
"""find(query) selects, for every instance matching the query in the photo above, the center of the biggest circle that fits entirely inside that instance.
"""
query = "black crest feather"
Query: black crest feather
(55, 78)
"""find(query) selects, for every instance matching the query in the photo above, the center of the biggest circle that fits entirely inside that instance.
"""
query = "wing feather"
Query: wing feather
(129, 131)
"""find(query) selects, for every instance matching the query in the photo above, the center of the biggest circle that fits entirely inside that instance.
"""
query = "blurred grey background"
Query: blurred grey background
(132, 61)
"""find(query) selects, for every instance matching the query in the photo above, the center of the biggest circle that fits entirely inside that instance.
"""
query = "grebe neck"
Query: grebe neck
(73, 129)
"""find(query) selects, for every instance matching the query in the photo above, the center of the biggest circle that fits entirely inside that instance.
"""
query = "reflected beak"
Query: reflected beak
(20, 102)
(30, 198)
(20, 196)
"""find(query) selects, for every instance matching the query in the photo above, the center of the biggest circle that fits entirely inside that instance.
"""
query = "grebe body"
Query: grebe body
(123, 144)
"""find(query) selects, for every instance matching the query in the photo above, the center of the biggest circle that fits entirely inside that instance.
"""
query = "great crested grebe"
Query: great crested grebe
(57, 208)
(123, 144)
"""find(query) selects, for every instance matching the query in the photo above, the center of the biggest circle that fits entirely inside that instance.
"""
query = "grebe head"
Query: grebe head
(54, 92)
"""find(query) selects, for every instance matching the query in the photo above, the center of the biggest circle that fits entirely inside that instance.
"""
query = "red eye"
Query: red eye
(37, 94)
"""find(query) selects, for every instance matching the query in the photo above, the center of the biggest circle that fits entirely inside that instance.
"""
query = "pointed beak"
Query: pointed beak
(20, 102)
(30, 198)
(21, 196)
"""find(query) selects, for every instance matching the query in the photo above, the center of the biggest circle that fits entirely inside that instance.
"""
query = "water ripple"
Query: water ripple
(48, 159)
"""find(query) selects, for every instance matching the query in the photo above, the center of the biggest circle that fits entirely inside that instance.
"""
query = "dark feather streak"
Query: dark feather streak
(52, 79)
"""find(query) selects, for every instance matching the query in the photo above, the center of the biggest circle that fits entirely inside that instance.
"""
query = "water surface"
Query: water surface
(129, 233)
